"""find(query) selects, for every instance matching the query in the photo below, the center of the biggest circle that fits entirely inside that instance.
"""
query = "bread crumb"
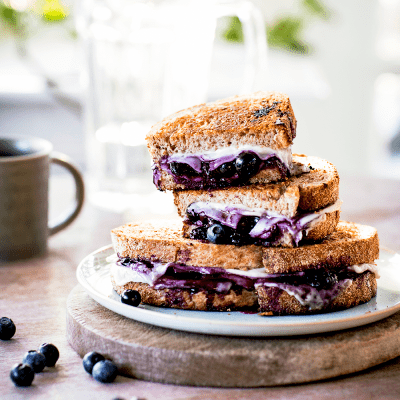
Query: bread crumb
(266, 314)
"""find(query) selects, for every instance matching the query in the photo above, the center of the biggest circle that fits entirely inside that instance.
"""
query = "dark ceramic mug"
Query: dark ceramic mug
(24, 182)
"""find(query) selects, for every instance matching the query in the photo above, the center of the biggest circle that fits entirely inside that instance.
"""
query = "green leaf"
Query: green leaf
(12, 19)
(286, 33)
(234, 32)
(9, 15)
(316, 7)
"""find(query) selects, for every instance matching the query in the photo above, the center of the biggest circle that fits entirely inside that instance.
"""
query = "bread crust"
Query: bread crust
(187, 300)
(305, 192)
(349, 244)
(279, 302)
(232, 121)
(162, 240)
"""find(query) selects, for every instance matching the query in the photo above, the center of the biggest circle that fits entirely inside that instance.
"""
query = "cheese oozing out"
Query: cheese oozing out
(302, 285)
(203, 170)
(271, 227)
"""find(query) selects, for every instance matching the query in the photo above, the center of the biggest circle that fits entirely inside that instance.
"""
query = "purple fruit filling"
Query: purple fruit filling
(315, 286)
(200, 172)
(241, 226)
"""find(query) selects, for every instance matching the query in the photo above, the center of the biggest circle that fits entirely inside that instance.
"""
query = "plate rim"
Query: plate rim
(323, 325)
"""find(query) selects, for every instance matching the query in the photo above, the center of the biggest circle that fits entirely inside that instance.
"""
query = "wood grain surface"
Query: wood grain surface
(170, 356)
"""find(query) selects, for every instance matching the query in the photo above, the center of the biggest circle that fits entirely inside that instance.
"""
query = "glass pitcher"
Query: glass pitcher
(146, 60)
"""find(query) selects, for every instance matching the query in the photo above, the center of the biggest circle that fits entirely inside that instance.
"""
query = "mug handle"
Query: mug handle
(255, 42)
(66, 218)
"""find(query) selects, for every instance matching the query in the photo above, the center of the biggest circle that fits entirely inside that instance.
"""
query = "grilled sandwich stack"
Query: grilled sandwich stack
(259, 226)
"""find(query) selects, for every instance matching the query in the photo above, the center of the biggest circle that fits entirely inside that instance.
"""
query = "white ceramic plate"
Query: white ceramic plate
(93, 275)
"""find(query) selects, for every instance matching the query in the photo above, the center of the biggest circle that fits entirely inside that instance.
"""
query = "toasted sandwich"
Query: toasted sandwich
(230, 142)
(170, 271)
(305, 207)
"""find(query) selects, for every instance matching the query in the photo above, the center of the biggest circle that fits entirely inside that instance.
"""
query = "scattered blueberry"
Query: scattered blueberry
(247, 164)
(216, 234)
(90, 360)
(105, 371)
(22, 375)
(7, 328)
(50, 353)
(36, 360)
(131, 297)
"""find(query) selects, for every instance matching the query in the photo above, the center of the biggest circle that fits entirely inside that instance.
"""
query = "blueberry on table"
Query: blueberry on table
(216, 234)
(131, 297)
(90, 360)
(105, 371)
(7, 328)
(50, 353)
(36, 360)
(22, 375)
(246, 164)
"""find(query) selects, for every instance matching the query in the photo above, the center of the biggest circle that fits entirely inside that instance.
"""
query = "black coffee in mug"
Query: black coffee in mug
(17, 147)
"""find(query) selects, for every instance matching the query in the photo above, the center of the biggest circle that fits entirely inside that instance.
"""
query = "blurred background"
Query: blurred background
(92, 76)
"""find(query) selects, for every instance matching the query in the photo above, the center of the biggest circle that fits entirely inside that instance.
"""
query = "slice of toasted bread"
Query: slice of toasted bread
(189, 300)
(309, 191)
(262, 118)
(279, 302)
(162, 240)
(349, 244)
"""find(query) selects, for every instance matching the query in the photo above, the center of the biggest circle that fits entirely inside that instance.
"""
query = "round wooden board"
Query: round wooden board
(163, 355)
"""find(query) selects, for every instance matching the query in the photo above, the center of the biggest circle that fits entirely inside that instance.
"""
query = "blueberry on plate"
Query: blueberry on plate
(50, 353)
(247, 164)
(105, 371)
(36, 360)
(131, 297)
(22, 374)
(90, 360)
(7, 328)
(216, 234)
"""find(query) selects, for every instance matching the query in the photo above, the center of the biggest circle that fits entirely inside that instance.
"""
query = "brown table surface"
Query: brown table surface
(34, 292)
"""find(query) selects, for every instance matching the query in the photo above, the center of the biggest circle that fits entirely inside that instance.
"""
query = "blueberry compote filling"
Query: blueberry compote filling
(241, 226)
(314, 287)
(204, 172)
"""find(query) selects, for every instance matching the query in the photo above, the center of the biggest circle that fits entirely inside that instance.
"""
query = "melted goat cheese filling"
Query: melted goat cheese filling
(289, 229)
(172, 276)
